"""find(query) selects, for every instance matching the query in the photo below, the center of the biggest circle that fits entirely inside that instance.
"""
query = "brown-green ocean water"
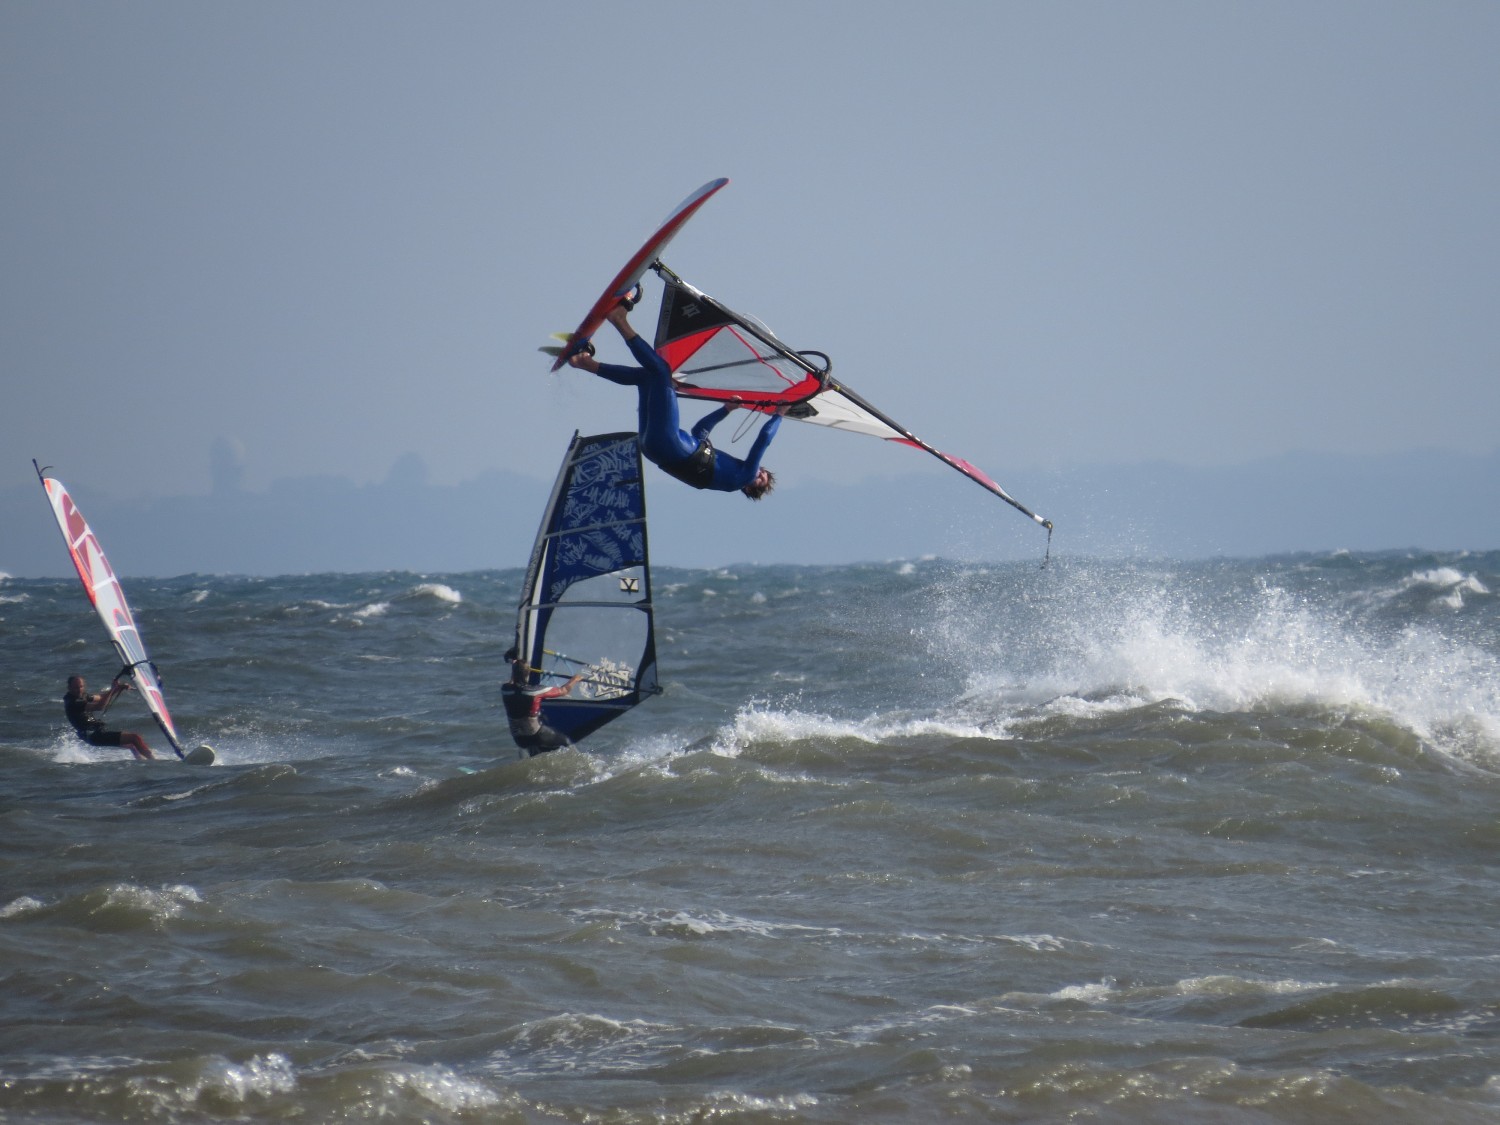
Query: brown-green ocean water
(1108, 842)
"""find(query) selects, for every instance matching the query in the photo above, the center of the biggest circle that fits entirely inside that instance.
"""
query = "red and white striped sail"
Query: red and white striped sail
(108, 599)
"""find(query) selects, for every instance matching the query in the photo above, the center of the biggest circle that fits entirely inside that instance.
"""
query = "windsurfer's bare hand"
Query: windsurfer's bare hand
(584, 362)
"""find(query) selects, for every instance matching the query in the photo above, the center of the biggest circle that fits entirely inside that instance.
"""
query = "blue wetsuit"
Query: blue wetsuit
(690, 458)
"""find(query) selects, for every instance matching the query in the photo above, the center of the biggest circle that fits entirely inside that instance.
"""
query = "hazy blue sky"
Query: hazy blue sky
(1044, 235)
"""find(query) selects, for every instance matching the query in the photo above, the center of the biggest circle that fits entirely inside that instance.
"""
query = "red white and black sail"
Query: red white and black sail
(721, 355)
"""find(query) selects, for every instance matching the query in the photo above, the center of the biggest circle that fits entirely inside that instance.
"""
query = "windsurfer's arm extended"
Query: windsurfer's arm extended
(732, 472)
(762, 443)
(709, 421)
(103, 699)
(714, 417)
(554, 692)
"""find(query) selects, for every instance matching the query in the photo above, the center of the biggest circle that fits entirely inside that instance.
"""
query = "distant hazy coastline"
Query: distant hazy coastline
(1296, 502)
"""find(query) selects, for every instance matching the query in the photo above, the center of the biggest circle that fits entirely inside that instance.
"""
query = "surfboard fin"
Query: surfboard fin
(556, 350)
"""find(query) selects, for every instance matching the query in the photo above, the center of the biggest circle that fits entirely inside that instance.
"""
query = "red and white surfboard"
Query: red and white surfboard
(636, 268)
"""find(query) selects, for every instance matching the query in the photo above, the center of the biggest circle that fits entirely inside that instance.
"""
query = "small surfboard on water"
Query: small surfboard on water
(635, 269)
(202, 756)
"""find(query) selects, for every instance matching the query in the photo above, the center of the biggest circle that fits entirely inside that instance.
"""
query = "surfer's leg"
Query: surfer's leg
(662, 439)
(652, 405)
(137, 745)
(546, 740)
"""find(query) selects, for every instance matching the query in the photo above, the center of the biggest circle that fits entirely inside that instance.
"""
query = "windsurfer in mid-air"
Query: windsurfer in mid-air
(80, 706)
(690, 457)
(523, 707)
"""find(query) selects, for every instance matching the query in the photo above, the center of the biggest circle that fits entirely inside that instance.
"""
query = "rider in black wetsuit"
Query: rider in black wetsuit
(523, 707)
(79, 706)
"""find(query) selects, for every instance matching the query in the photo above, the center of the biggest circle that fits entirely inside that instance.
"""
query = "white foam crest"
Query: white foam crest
(438, 591)
(570, 1042)
(708, 923)
(53, 1067)
(1098, 992)
(731, 1104)
(1446, 584)
(760, 723)
(23, 905)
(445, 1088)
(719, 922)
(261, 1076)
(70, 751)
(13, 599)
(374, 609)
(197, 597)
(1039, 943)
(1445, 578)
(936, 1014)
(189, 794)
(1220, 986)
(315, 606)
(160, 904)
(1270, 648)
(654, 752)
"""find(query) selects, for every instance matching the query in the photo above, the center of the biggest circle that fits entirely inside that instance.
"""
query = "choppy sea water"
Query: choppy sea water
(1107, 842)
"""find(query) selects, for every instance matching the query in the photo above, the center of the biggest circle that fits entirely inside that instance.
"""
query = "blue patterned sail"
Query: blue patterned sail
(586, 604)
